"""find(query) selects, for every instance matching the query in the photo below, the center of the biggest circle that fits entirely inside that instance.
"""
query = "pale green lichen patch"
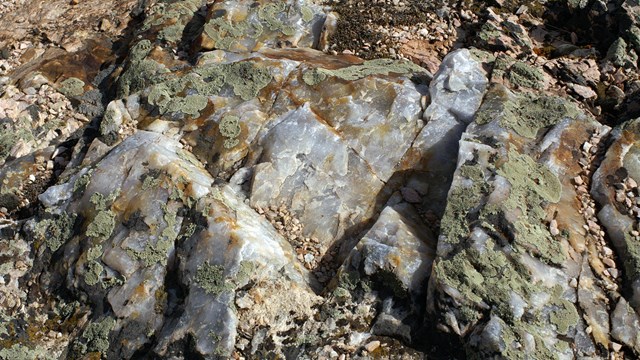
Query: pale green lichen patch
(270, 14)
(56, 231)
(93, 273)
(532, 184)
(521, 74)
(276, 16)
(97, 335)
(461, 201)
(158, 253)
(82, 182)
(104, 222)
(22, 352)
(525, 114)
(140, 71)
(565, 316)
(230, 130)
(173, 18)
(307, 13)
(356, 72)
(245, 78)
(72, 87)
(211, 279)
(102, 225)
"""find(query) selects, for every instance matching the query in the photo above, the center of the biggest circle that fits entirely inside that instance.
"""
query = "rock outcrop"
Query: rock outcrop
(214, 180)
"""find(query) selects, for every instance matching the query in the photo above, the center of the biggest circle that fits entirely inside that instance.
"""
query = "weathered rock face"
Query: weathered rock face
(211, 185)
(616, 190)
(503, 275)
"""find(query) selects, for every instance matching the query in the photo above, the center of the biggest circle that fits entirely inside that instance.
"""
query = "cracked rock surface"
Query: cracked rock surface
(307, 179)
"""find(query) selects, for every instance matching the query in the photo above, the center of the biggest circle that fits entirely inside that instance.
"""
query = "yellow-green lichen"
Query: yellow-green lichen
(56, 231)
(104, 222)
(82, 182)
(454, 225)
(356, 72)
(230, 129)
(173, 18)
(246, 78)
(102, 225)
(524, 75)
(270, 14)
(22, 352)
(140, 71)
(93, 274)
(307, 13)
(565, 316)
(225, 34)
(532, 184)
(157, 253)
(72, 87)
(96, 335)
(211, 279)
(151, 180)
(525, 114)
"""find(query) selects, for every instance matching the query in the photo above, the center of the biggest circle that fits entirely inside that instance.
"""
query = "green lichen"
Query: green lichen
(109, 125)
(22, 352)
(72, 87)
(617, 52)
(164, 96)
(104, 222)
(230, 129)
(565, 316)
(454, 225)
(523, 75)
(140, 71)
(532, 184)
(226, 34)
(526, 114)
(56, 231)
(211, 279)
(93, 274)
(307, 13)
(270, 15)
(151, 180)
(157, 253)
(247, 79)
(172, 17)
(96, 335)
(356, 72)
(82, 182)
(102, 225)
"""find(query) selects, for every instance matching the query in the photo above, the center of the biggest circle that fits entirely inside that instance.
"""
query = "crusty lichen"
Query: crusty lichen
(523, 75)
(532, 184)
(96, 335)
(230, 130)
(55, 231)
(102, 225)
(211, 279)
(525, 114)
(157, 253)
(22, 352)
(356, 72)
(140, 71)
(72, 87)
(173, 17)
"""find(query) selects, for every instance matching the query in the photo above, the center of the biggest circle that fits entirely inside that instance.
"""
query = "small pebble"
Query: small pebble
(372, 346)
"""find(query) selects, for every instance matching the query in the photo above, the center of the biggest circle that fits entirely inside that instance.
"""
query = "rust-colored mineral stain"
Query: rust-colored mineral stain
(84, 64)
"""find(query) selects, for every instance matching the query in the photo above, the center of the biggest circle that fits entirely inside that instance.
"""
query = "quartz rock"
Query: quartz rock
(456, 92)
(498, 268)
(622, 161)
